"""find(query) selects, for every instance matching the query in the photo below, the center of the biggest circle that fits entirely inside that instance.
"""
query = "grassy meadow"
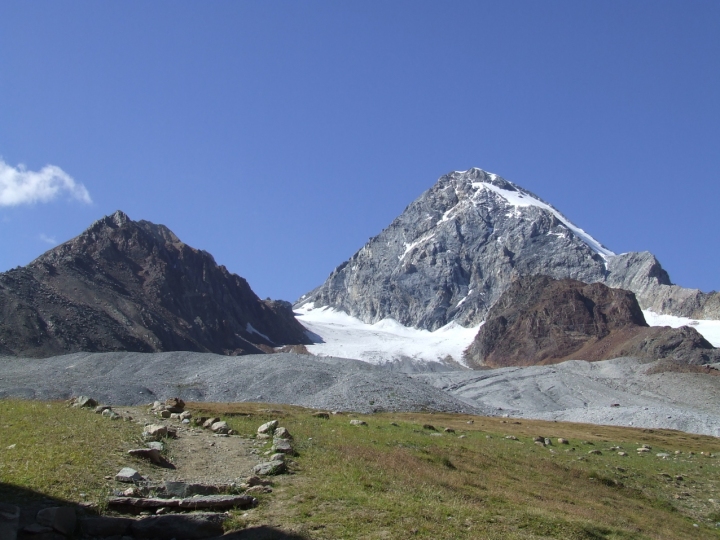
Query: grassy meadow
(396, 479)
(404, 481)
(52, 450)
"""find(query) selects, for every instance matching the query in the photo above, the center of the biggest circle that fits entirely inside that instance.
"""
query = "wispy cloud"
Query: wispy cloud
(48, 239)
(20, 186)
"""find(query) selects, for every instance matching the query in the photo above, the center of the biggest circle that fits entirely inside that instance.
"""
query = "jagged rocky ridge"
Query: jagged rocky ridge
(453, 251)
(126, 285)
(540, 320)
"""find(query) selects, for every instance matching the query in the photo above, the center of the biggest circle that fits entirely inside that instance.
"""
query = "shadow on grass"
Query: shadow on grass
(20, 496)
(30, 503)
(261, 533)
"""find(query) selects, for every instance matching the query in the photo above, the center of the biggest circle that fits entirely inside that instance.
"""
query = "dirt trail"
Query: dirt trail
(198, 455)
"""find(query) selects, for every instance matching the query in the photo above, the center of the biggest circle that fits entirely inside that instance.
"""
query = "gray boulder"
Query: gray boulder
(270, 468)
(104, 527)
(109, 413)
(268, 428)
(9, 521)
(151, 454)
(154, 432)
(282, 446)
(59, 518)
(84, 401)
(129, 476)
(282, 433)
(220, 427)
(179, 526)
(186, 489)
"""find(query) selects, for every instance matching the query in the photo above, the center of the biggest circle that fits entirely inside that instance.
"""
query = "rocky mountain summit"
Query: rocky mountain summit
(453, 251)
(126, 285)
(540, 320)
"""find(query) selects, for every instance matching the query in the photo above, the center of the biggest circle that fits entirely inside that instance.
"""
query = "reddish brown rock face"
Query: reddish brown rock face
(134, 286)
(540, 320)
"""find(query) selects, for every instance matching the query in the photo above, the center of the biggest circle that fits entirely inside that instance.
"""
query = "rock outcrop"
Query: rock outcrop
(453, 251)
(540, 320)
(643, 274)
(126, 285)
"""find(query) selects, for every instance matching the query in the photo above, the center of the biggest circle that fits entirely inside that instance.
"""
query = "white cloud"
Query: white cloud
(48, 239)
(20, 186)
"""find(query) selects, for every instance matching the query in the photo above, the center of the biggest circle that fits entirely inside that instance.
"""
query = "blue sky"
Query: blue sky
(280, 136)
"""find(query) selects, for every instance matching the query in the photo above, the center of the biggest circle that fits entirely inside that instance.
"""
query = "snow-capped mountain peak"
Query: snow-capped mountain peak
(453, 251)
(518, 197)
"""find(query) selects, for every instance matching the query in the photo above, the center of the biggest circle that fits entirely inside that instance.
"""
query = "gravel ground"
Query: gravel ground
(123, 378)
(612, 392)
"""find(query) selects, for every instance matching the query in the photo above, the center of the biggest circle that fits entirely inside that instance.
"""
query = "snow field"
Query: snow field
(709, 329)
(340, 335)
(344, 336)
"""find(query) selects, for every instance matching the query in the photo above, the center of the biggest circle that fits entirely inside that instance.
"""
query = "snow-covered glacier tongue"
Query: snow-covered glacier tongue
(386, 343)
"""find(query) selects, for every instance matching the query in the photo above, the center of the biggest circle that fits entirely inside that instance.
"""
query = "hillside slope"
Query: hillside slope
(540, 320)
(126, 285)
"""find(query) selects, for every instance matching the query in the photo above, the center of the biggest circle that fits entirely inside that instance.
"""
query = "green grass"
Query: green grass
(383, 481)
(60, 452)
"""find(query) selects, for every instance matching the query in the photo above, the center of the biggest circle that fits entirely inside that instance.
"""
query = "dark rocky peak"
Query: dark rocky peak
(113, 221)
(127, 285)
(160, 232)
(118, 243)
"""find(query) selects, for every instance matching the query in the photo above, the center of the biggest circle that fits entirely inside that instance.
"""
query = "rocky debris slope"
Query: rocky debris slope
(642, 274)
(620, 392)
(135, 378)
(540, 320)
(126, 285)
(454, 250)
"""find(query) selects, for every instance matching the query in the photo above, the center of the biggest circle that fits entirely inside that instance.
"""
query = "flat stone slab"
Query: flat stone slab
(209, 502)
(118, 503)
(185, 489)
(179, 526)
(218, 502)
